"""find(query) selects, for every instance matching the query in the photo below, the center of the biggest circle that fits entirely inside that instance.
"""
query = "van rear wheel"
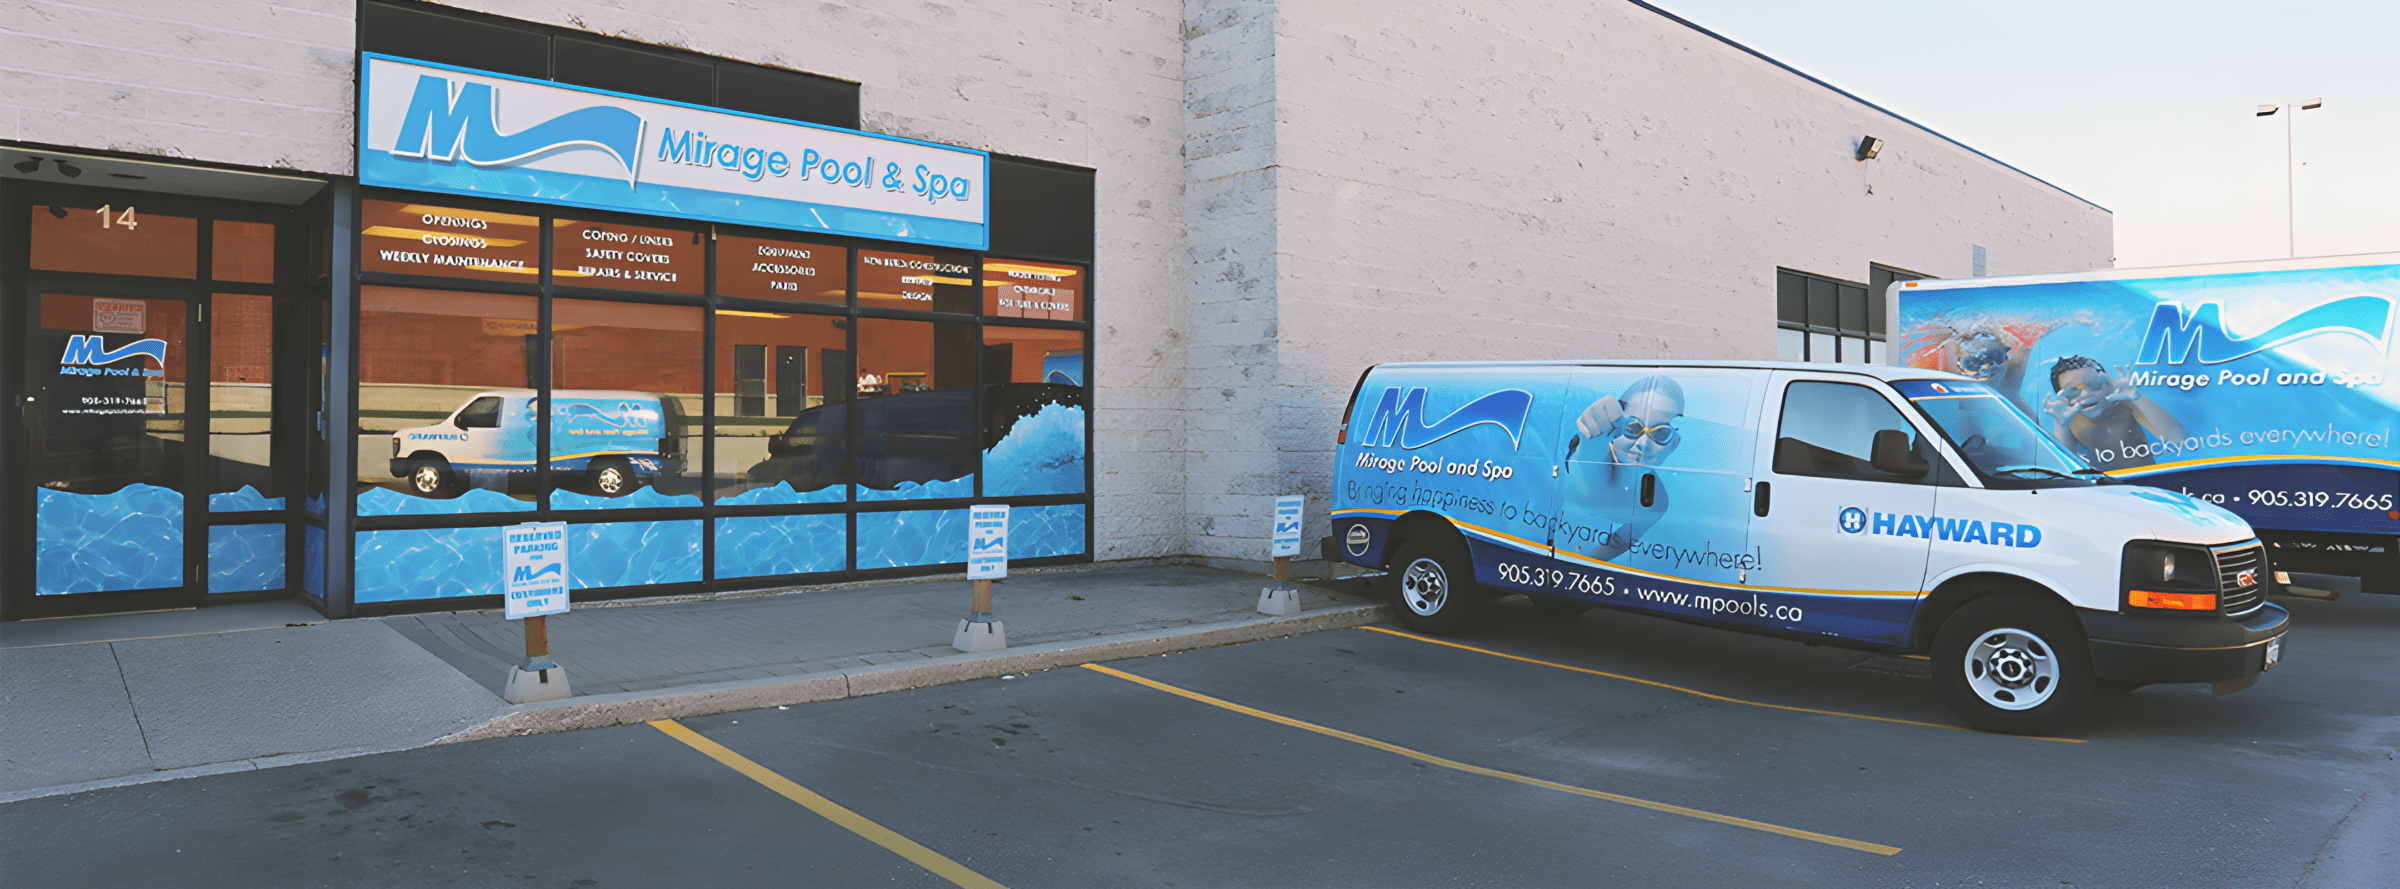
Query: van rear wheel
(2014, 665)
(1433, 584)
(613, 477)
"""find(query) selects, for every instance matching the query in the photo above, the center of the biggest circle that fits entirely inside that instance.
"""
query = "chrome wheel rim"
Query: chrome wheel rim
(2012, 669)
(1424, 587)
(427, 479)
(612, 481)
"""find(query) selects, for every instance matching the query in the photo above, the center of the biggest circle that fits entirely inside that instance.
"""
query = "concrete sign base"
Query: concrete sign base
(526, 686)
(1281, 601)
(979, 635)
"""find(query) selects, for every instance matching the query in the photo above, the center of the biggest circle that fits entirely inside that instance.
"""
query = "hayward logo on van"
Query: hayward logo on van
(1854, 520)
(447, 120)
(2174, 336)
(1400, 418)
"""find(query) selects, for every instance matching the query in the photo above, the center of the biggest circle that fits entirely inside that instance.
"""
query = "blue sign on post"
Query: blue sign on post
(533, 568)
(987, 542)
(1287, 524)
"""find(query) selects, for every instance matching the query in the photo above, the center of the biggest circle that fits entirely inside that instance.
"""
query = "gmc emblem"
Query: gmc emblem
(2246, 579)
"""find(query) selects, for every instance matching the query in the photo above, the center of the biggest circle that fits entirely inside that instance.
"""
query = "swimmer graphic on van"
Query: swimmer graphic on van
(2099, 414)
(1618, 438)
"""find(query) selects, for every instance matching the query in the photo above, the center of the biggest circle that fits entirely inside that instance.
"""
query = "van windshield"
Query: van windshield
(2003, 444)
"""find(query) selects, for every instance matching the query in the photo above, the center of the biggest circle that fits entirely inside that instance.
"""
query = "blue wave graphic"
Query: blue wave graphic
(2175, 336)
(243, 558)
(440, 128)
(131, 539)
(87, 349)
(1401, 418)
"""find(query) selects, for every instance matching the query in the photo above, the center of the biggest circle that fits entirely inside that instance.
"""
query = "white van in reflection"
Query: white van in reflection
(606, 442)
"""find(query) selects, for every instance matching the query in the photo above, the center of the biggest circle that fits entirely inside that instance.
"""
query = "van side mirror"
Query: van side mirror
(1893, 455)
(459, 421)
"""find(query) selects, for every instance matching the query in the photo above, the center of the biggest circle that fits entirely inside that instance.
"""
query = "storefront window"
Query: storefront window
(627, 396)
(796, 271)
(916, 282)
(1033, 435)
(446, 414)
(1017, 289)
(784, 383)
(113, 239)
(242, 251)
(614, 256)
(915, 413)
(241, 404)
(407, 238)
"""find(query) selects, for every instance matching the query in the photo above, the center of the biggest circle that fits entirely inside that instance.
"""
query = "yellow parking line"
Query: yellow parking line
(832, 811)
(1810, 836)
(1703, 694)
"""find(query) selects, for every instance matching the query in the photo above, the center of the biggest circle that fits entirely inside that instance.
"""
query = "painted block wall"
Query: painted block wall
(1457, 182)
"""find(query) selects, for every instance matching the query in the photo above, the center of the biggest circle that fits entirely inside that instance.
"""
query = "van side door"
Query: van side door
(1654, 481)
(1476, 445)
(1849, 481)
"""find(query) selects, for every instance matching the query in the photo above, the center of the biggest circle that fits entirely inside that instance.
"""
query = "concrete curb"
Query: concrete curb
(626, 708)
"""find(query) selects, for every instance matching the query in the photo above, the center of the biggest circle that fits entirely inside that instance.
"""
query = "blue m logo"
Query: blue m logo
(528, 573)
(1401, 418)
(2174, 337)
(88, 349)
(441, 127)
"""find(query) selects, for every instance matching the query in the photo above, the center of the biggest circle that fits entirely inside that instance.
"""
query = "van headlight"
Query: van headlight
(2159, 576)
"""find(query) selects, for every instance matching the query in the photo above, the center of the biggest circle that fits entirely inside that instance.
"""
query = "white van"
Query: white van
(605, 441)
(1880, 508)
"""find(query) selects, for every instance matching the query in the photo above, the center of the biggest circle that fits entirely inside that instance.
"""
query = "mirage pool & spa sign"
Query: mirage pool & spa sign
(438, 128)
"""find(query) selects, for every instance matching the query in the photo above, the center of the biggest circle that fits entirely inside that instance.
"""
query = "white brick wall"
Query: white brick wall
(258, 82)
(1288, 192)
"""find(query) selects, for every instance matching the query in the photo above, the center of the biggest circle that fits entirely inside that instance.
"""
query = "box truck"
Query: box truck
(2267, 388)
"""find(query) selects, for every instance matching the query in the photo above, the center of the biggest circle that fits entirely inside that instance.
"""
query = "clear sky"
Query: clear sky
(2145, 107)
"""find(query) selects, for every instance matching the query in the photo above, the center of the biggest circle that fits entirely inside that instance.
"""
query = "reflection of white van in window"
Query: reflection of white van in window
(1886, 509)
(607, 442)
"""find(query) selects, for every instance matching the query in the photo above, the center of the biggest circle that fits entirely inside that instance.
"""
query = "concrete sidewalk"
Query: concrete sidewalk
(96, 702)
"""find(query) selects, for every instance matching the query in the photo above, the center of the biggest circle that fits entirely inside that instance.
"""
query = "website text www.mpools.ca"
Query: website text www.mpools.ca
(1606, 586)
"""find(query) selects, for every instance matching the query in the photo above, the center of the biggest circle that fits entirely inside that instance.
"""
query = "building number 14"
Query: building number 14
(124, 219)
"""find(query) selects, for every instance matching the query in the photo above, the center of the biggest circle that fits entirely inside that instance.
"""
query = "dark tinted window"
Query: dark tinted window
(483, 414)
(1828, 430)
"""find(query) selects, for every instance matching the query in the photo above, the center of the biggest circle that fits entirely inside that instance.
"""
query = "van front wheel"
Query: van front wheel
(2012, 664)
(1433, 584)
(430, 477)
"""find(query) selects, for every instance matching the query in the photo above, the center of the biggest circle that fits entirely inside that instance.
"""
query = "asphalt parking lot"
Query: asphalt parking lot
(1608, 749)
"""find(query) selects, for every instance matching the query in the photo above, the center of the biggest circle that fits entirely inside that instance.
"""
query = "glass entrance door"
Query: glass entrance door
(112, 447)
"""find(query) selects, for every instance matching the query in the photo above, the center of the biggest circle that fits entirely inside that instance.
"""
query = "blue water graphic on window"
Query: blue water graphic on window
(1035, 531)
(385, 501)
(640, 498)
(245, 500)
(243, 558)
(900, 539)
(782, 493)
(90, 543)
(958, 487)
(312, 560)
(632, 553)
(750, 546)
(436, 563)
(1043, 454)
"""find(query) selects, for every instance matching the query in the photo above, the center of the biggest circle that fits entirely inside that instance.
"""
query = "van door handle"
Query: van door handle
(1649, 488)
(1758, 500)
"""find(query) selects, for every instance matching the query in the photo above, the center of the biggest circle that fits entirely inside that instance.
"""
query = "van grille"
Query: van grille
(2234, 597)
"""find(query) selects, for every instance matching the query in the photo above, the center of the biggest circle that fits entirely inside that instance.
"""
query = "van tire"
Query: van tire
(613, 477)
(431, 477)
(2013, 664)
(1433, 584)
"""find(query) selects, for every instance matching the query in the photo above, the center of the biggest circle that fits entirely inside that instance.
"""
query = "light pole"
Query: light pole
(2290, 233)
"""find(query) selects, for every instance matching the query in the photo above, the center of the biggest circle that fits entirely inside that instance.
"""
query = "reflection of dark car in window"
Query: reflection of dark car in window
(903, 437)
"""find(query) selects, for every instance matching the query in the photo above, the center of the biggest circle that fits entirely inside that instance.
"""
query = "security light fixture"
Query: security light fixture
(58, 212)
(29, 165)
(2269, 110)
(1868, 146)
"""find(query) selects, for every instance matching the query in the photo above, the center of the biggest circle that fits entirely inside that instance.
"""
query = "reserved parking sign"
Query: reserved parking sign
(533, 568)
(987, 542)
(1287, 524)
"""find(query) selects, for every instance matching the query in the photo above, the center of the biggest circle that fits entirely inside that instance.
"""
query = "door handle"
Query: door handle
(1649, 488)
(1759, 498)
